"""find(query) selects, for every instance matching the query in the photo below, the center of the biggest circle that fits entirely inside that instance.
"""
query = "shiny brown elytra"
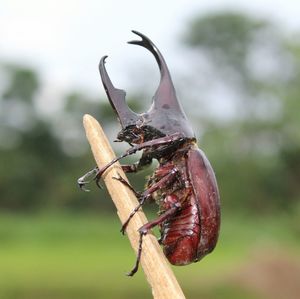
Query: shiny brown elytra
(183, 185)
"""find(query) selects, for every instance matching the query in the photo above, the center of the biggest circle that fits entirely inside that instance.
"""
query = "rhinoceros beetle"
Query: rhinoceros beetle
(183, 185)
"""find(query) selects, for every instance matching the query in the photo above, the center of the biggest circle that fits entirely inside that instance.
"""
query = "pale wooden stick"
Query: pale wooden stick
(157, 270)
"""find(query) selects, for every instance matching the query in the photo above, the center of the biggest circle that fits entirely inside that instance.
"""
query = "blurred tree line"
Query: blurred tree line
(256, 149)
(247, 63)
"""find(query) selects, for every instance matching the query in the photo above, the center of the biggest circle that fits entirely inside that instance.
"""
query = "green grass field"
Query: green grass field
(84, 256)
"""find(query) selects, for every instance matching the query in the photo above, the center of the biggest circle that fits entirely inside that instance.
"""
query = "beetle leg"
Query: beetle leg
(137, 194)
(87, 178)
(141, 202)
(165, 181)
(145, 229)
(144, 161)
(148, 144)
(124, 182)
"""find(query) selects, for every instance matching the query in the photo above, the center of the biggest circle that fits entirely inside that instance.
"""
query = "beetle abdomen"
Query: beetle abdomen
(181, 235)
(207, 197)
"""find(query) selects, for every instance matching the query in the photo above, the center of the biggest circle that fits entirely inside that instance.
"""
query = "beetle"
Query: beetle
(183, 184)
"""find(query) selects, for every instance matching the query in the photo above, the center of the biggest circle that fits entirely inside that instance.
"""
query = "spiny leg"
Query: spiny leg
(145, 229)
(125, 224)
(87, 178)
(92, 175)
(125, 183)
(139, 253)
(165, 181)
(144, 161)
(148, 144)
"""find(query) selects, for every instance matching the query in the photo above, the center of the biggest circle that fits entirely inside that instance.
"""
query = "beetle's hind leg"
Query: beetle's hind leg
(124, 226)
(139, 254)
(146, 228)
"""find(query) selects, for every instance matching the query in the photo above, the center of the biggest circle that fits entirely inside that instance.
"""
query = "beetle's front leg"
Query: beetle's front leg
(93, 174)
(87, 178)
(146, 145)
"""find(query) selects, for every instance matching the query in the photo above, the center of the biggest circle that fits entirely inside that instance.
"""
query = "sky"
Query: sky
(64, 40)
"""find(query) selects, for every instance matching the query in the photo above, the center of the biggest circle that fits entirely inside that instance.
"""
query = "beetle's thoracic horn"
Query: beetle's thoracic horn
(165, 94)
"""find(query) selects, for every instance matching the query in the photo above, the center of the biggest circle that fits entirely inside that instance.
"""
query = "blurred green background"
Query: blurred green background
(59, 242)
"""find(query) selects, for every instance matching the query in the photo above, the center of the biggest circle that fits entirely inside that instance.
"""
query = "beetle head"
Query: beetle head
(165, 116)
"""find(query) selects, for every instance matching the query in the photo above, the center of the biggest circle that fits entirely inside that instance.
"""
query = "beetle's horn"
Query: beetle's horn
(165, 114)
(117, 98)
(165, 96)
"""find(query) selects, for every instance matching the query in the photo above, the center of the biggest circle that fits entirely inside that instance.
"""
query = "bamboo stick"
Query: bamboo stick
(156, 268)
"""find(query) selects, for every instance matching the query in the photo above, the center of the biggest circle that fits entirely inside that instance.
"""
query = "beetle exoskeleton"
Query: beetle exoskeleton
(183, 185)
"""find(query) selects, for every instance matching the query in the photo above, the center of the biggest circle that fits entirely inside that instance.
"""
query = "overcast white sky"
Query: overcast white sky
(65, 39)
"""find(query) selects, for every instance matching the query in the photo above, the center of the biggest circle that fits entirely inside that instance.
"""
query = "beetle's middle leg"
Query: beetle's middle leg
(162, 183)
(144, 161)
(125, 183)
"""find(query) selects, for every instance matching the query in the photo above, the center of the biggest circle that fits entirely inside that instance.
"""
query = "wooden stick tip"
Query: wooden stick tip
(88, 118)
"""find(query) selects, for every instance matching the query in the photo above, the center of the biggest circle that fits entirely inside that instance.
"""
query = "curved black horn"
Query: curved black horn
(117, 98)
